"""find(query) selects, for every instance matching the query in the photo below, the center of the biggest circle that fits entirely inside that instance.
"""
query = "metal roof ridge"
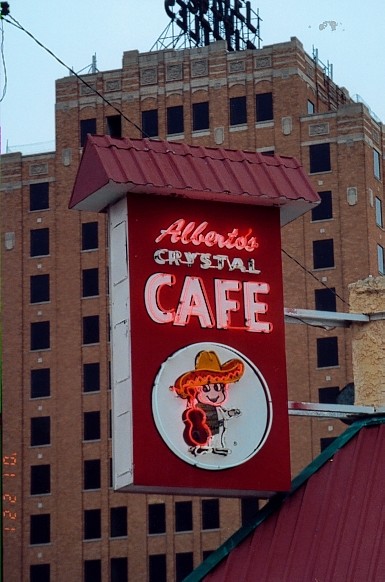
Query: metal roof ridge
(278, 499)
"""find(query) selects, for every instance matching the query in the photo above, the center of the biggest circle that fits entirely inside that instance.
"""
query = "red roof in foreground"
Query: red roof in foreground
(330, 528)
(111, 168)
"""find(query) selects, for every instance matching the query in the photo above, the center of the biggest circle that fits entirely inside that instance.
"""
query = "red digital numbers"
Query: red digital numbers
(9, 499)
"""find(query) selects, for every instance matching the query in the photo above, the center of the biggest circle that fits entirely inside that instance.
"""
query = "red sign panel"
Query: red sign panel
(208, 373)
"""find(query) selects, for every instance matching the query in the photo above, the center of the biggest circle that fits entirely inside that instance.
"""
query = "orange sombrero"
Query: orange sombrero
(208, 370)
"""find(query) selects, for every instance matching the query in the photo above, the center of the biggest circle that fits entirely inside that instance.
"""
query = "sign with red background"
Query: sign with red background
(207, 347)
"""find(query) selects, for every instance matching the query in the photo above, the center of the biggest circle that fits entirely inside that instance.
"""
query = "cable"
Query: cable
(314, 277)
(17, 24)
(3, 62)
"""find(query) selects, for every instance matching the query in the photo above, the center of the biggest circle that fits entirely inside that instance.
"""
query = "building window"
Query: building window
(86, 126)
(90, 282)
(327, 352)
(175, 123)
(92, 524)
(325, 442)
(328, 395)
(114, 125)
(183, 516)
(40, 479)
(150, 123)
(156, 518)
(319, 155)
(323, 254)
(92, 571)
(184, 565)
(39, 573)
(377, 164)
(324, 210)
(157, 568)
(40, 383)
(39, 288)
(39, 242)
(310, 107)
(91, 474)
(249, 509)
(39, 196)
(118, 522)
(91, 377)
(40, 335)
(238, 111)
(91, 329)
(200, 115)
(91, 425)
(379, 220)
(89, 236)
(381, 259)
(40, 529)
(210, 514)
(40, 431)
(119, 570)
(264, 107)
(325, 299)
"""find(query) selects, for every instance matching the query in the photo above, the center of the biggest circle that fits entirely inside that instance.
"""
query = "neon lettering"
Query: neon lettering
(152, 300)
(193, 302)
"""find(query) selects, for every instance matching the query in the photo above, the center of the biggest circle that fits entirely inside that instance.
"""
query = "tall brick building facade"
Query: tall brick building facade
(62, 520)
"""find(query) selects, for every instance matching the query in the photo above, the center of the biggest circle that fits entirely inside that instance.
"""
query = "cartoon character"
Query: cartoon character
(206, 389)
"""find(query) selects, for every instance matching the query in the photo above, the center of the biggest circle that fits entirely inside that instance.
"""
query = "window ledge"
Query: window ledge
(267, 123)
(240, 127)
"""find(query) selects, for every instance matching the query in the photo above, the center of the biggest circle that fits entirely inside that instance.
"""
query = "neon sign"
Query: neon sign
(205, 21)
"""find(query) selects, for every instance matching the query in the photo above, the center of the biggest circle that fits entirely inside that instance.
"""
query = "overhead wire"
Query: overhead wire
(4, 92)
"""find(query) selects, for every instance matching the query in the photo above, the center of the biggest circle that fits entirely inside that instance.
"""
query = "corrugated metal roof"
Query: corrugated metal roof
(330, 528)
(112, 167)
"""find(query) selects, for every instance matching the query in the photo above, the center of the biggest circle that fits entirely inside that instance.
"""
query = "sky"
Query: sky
(348, 34)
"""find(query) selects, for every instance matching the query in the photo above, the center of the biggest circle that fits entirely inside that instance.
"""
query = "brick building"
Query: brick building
(62, 520)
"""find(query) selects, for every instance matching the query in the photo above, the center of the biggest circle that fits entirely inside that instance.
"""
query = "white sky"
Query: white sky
(349, 34)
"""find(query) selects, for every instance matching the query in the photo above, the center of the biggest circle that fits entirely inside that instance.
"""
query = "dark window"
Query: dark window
(377, 164)
(91, 329)
(91, 426)
(40, 335)
(210, 513)
(319, 155)
(201, 119)
(249, 509)
(207, 553)
(328, 395)
(264, 107)
(157, 567)
(325, 299)
(184, 564)
(119, 570)
(183, 516)
(150, 123)
(40, 479)
(92, 571)
(39, 196)
(39, 573)
(40, 431)
(92, 524)
(310, 107)
(118, 522)
(175, 122)
(86, 126)
(323, 254)
(91, 474)
(156, 518)
(40, 383)
(327, 352)
(325, 442)
(39, 242)
(114, 125)
(89, 236)
(324, 210)
(39, 288)
(40, 529)
(379, 220)
(91, 377)
(90, 282)
(381, 259)
(238, 111)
